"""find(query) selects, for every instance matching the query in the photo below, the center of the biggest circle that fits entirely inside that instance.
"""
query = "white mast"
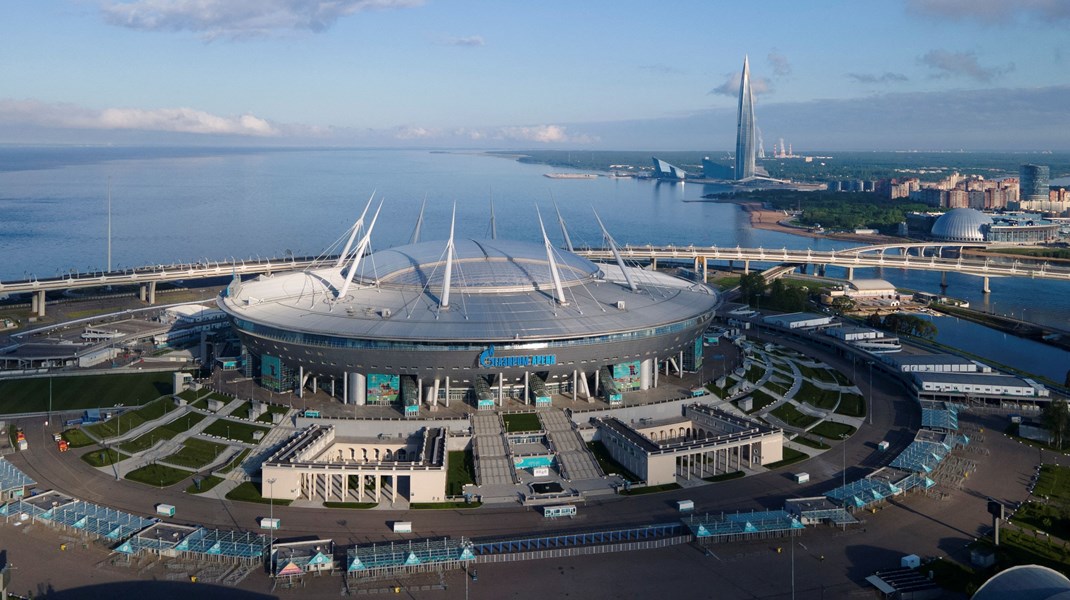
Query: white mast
(493, 225)
(560, 291)
(361, 247)
(419, 223)
(616, 253)
(353, 233)
(445, 302)
(564, 231)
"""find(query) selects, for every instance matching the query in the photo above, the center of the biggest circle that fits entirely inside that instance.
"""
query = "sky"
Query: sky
(620, 74)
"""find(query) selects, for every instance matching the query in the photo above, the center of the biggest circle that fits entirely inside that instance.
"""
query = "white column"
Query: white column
(645, 367)
(357, 384)
(447, 391)
(655, 371)
(527, 388)
(300, 381)
(345, 388)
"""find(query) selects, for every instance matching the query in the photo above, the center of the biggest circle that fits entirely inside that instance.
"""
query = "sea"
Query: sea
(176, 205)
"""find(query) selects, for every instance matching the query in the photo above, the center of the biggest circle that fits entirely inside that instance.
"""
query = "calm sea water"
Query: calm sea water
(177, 205)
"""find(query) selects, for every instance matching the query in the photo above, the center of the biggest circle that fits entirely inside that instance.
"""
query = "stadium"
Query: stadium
(469, 320)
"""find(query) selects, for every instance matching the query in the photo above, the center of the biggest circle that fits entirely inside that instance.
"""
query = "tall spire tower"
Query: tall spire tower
(745, 131)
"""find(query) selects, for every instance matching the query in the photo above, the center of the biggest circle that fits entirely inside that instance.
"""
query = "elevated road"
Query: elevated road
(928, 257)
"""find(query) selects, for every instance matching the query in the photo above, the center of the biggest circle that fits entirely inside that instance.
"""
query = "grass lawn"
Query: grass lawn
(1016, 548)
(191, 395)
(460, 473)
(250, 492)
(163, 432)
(235, 430)
(1046, 517)
(131, 419)
(157, 475)
(443, 505)
(852, 405)
(272, 409)
(207, 483)
(791, 415)
(805, 441)
(1054, 483)
(608, 464)
(196, 453)
(234, 462)
(522, 422)
(358, 505)
(726, 283)
(77, 439)
(817, 397)
(760, 400)
(725, 476)
(103, 458)
(791, 456)
(832, 431)
(651, 489)
(87, 391)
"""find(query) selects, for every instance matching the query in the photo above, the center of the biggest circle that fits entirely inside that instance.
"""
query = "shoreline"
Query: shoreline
(770, 220)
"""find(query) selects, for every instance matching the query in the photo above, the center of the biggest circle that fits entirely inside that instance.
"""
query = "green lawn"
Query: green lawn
(852, 405)
(832, 431)
(77, 439)
(88, 391)
(131, 419)
(235, 430)
(651, 489)
(792, 416)
(1046, 517)
(192, 395)
(250, 492)
(522, 422)
(461, 472)
(234, 462)
(354, 505)
(759, 400)
(103, 458)
(1054, 483)
(272, 409)
(163, 432)
(608, 464)
(443, 505)
(196, 453)
(725, 476)
(817, 397)
(157, 475)
(791, 456)
(207, 483)
(805, 441)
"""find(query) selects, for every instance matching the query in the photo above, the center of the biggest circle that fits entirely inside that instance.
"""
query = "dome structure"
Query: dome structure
(961, 225)
(1025, 582)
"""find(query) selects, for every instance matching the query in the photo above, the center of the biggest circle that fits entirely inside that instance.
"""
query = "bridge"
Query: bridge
(926, 257)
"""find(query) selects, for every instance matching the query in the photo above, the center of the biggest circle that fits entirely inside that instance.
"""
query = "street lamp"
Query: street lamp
(843, 442)
(271, 520)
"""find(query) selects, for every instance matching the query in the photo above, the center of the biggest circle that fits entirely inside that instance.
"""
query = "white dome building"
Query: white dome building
(962, 225)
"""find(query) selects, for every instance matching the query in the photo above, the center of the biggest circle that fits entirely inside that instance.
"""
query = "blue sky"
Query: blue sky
(910, 74)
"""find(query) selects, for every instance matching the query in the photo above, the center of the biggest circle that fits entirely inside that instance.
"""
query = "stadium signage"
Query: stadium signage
(487, 360)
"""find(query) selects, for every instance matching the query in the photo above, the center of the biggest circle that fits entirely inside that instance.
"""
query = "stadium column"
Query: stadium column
(575, 385)
(644, 374)
(345, 387)
(526, 382)
(420, 391)
(447, 391)
(597, 379)
(314, 384)
(680, 365)
(655, 371)
(300, 381)
(433, 400)
(501, 389)
(357, 384)
(345, 486)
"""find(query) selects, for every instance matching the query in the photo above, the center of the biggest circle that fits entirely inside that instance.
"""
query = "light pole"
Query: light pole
(871, 394)
(271, 520)
(843, 442)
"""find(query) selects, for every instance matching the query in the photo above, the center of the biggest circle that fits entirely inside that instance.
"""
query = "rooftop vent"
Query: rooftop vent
(620, 304)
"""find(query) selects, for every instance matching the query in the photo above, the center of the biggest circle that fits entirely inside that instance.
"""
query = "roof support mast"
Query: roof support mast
(359, 254)
(560, 291)
(353, 234)
(419, 223)
(564, 231)
(616, 253)
(445, 303)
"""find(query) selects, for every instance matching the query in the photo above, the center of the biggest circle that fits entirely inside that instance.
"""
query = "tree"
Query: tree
(842, 304)
(751, 287)
(1056, 418)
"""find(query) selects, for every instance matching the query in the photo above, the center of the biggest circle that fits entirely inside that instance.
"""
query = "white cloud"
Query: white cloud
(543, 134)
(176, 120)
(238, 18)
(994, 12)
(471, 41)
(414, 133)
(781, 66)
(948, 64)
(730, 87)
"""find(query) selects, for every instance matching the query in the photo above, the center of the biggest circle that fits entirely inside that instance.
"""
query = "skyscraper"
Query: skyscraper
(1033, 182)
(745, 142)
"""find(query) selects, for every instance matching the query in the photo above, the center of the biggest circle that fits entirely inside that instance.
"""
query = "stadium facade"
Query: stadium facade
(471, 320)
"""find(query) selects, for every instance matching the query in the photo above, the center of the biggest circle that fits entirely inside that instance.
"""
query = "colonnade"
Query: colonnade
(709, 462)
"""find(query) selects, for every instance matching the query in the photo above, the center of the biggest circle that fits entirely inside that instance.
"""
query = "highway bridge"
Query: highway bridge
(926, 257)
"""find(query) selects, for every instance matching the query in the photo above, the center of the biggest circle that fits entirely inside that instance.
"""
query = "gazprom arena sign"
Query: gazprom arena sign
(487, 360)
